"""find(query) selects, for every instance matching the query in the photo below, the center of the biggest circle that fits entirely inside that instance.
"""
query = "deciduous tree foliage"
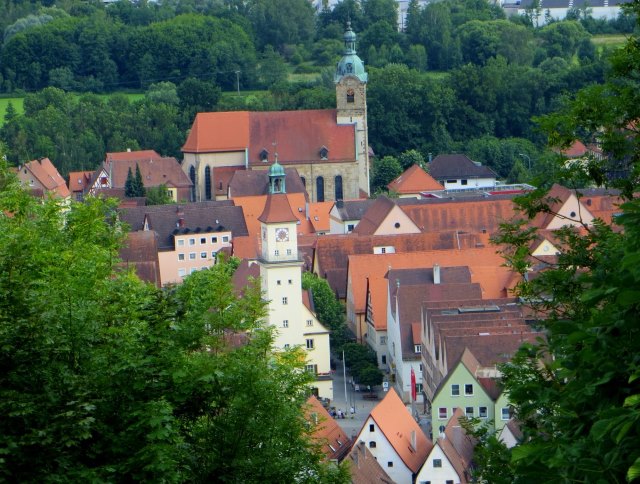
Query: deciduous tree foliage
(577, 395)
(104, 378)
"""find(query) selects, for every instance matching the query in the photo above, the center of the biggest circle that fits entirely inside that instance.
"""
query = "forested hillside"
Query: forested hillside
(460, 77)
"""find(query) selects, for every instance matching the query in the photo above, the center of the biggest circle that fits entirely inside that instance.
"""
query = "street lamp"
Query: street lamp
(524, 155)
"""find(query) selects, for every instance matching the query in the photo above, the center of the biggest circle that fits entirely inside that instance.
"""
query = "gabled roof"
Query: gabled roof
(305, 132)
(247, 183)
(155, 171)
(397, 425)
(193, 218)
(576, 150)
(458, 166)
(414, 180)
(364, 467)
(556, 200)
(349, 210)
(326, 432)
(457, 446)
(79, 181)
(214, 132)
(333, 251)
(140, 251)
(48, 176)
(485, 264)
(378, 214)
(277, 209)
(138, 155)
(319, 215)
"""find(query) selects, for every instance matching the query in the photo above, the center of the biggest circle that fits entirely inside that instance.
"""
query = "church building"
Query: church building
(328, 147)
(281, 284)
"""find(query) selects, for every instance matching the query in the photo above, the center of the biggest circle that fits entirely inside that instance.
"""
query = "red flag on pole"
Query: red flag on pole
(413, 385)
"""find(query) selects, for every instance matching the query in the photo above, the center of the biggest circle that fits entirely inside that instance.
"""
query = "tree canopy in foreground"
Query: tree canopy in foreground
(105, 378)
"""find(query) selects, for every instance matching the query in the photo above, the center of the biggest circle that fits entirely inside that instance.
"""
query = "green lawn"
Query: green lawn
(609, 40)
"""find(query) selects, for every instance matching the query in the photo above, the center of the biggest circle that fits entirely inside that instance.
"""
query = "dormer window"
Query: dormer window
(324, 152)
(264, 156)
(350, 96)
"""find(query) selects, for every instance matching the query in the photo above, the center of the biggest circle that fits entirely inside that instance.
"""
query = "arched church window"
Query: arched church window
(338, 184)
(192, 176)
(207, 183)
(319, 189)
(350, 95)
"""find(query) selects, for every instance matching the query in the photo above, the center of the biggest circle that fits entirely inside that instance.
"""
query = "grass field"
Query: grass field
(609, 40)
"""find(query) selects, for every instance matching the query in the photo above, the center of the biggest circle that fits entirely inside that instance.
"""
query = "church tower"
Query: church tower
(281, 283)
(351, 102)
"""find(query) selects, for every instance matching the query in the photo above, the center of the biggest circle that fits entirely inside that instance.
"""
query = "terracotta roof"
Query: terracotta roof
(79, 180)
(277, 209)
(306, 133)
(201, 217)
(46, 174)
(140, 251)
(307, 300)
(154, 171)
(133, 155)
(333, 251)
(414, 180)
(248, 183)
(374, 216)
(474, 215)
(484, 264)
(222, 178)
(364, 467)
(211, 132)
(576, 150)
(397, 425)
(319, 215)
(253, 207)
(326, 432)
(457, 446)
(458, 166)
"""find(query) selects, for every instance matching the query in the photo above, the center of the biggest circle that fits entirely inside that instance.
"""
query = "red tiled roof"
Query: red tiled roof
(397, 425)
(277, 209)
(155, 171)
(576, 150)
(457, 446)
(319, 215)
(364, 467)
(211, 132)
(326, 432)
(305, 132)
(414, 180)
(133, 155)
(79, 180)
(47, 175)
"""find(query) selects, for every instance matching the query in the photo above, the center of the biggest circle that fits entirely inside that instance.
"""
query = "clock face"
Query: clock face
(282, 235)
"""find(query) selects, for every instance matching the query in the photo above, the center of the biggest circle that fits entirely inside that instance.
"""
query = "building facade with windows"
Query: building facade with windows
(281, 283)
(328, 148)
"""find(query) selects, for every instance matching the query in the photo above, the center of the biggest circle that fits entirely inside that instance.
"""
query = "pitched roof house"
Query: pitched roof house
(460, 172)
(364, 467)
(155, 170)
(42, 177)
(384, 217)
(395, 439)
(78, 183)
(326, 432)
(188, 236)
(413, 181)
(450, 459)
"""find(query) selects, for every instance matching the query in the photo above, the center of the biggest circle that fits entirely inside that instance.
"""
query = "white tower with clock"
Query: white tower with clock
(281, 282)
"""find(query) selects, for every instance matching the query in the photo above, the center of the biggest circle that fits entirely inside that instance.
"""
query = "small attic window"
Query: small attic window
(324, 152)
(264, 155)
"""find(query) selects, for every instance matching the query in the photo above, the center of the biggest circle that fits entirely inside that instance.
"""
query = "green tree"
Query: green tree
(411, 157)
(105, 378)
(138, 189)
(157, 195)
(384, 172)
(330, 311)
(129, 185)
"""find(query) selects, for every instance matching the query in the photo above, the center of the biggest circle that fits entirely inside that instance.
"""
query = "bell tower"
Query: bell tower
(351, 102)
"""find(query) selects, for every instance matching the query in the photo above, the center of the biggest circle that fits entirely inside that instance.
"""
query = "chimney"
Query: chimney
(180, 215)
(436, 274)
(414, 445)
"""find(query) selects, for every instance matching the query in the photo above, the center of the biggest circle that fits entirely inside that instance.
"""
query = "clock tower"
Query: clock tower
(281, 283)
(351, 102)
